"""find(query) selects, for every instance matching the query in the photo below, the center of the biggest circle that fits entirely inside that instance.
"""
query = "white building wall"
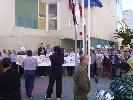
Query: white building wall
(13, 37)
(128, 18)
(103, 25)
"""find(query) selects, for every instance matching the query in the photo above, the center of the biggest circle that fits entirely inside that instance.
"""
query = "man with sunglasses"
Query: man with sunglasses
(128, 59)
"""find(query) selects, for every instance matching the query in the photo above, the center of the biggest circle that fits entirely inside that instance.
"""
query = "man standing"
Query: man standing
(81, 81)
(128, 59)
(4, 54)
(48, 49)
(113, 58)
(56, 74)
(29, 64)
(14, 59)
(41, 50)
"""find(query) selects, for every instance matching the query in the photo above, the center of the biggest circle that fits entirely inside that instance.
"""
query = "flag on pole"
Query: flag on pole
(76, 12)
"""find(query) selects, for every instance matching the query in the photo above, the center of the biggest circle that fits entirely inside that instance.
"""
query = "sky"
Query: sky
(127, 5)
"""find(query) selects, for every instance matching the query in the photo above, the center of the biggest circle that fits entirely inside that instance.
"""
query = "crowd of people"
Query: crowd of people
(115, 64)
(105, 62)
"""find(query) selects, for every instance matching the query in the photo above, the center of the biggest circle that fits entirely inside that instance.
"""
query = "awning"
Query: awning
(96, 3)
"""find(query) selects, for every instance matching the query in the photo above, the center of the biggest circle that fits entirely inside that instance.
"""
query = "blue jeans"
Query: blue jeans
(29, 76)
(113, 71)
(92, 69)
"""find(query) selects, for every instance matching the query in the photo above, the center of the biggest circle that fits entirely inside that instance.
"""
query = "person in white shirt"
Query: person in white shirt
(99, 58)
(4, 54)
(48, 49)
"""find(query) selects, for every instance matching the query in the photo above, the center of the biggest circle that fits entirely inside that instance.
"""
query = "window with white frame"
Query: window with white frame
(52, 17)
(47, 16)
(37, 14)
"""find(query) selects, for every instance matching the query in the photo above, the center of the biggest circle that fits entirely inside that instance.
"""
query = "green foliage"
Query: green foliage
(126, 36)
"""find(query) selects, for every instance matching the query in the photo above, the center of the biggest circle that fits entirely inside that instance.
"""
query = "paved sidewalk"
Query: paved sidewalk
(41, 85)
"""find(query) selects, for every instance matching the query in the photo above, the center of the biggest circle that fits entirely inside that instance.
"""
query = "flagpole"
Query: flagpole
(83, 24)
(75, 44)
(89, 38)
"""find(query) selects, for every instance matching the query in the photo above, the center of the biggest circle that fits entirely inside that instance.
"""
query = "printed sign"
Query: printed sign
(45, 61)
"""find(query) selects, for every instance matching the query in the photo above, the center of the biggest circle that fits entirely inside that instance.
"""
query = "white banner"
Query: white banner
(45, 61)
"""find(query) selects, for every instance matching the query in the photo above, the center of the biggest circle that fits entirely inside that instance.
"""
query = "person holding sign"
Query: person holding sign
(41, 52)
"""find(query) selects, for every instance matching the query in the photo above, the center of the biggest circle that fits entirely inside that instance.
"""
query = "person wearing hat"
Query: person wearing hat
(128, 59)
(123, 80)
(22, 52)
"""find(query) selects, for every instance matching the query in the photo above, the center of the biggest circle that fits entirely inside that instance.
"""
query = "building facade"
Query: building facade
(128, 18)
(30, 22)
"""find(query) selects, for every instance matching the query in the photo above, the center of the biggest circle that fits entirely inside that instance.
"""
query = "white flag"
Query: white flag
(77, 13)
(74, 2)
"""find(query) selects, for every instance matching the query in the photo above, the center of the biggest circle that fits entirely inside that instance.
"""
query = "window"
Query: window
(36, 14)
(42, 16)
(52, 17)
(26, 13)
(47, 16)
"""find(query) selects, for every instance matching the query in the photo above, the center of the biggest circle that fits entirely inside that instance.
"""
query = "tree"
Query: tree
(126, 36)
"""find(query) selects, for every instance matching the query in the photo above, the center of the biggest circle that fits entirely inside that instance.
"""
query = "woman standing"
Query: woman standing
(99, 58)
(9, 54)
(9, 82)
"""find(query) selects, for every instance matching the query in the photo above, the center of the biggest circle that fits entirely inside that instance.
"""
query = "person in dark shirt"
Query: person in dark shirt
(56, 74)
(124, 79)
(114, 60)
(41, 50)
(9, 82)
(41, 69)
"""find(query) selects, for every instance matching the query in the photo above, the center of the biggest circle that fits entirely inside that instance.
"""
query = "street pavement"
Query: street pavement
(41, 84)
